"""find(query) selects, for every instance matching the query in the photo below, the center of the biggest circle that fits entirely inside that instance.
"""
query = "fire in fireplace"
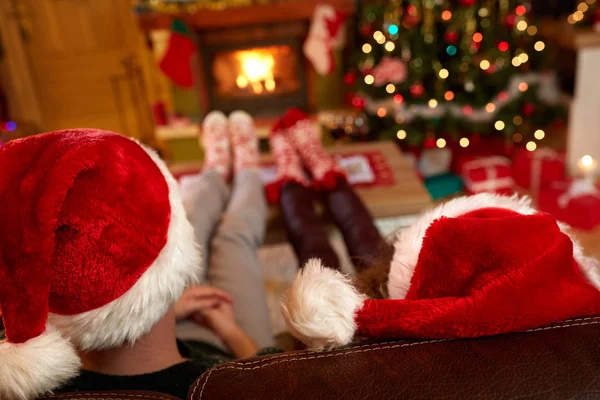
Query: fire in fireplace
(265, 71)
(260, 69)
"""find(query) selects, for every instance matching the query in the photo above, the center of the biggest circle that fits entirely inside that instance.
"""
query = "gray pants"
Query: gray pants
(230, 227)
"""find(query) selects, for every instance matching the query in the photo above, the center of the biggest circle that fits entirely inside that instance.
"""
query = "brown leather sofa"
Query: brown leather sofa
(555, 362)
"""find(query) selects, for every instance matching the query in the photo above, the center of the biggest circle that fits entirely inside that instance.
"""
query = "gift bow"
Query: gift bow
(492, 183)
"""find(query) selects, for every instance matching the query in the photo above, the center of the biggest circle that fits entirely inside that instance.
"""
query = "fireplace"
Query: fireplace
(259, 69)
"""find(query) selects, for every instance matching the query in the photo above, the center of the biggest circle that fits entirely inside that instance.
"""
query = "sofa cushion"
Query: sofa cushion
(554, 362)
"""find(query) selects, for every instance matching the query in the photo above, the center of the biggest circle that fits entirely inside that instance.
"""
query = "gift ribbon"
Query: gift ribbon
(577, 188)
(492, 183)
(537, 158)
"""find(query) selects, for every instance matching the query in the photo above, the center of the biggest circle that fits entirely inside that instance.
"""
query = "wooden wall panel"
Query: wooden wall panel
(77, 51)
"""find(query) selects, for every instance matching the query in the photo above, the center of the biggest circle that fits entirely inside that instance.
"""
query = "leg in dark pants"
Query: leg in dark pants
(363, 240)
(306, 230)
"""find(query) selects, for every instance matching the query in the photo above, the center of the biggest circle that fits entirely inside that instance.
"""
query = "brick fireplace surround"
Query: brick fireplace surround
(282, 23)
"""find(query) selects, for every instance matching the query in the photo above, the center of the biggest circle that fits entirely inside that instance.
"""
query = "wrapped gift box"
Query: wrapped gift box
(489, 174)
(477, 149)
(536, 170)
(572, 205)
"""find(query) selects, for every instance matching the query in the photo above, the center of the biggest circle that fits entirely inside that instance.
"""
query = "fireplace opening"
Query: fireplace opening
(263, 79)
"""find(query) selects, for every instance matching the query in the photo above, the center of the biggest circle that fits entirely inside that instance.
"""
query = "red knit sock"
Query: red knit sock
(243, 138)
(215, 139)
(305, 137)
(289, 164)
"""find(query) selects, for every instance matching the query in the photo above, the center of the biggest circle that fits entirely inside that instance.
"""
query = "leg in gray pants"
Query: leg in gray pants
(231, 258)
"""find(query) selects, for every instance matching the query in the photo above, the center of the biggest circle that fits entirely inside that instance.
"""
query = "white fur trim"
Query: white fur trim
(409, 241)
(41, 364)
(320, 306)
(589, 265)
(131, 316)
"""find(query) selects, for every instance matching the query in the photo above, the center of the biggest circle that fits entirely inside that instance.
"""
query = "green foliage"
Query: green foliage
(461, 53)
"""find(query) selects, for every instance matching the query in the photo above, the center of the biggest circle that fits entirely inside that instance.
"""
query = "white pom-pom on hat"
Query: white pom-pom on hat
(320, 307)
(30, 369)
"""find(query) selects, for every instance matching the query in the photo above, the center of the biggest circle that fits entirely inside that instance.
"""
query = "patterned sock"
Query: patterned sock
(306, 139)
(217, 149)
(289, 164)
(243, 138)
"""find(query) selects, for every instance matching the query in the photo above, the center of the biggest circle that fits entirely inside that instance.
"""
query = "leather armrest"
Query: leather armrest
(554, 362)
(111, 395)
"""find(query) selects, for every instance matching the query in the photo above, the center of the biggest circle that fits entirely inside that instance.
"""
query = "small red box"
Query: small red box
(581, 211)
(489, 174)
(538, 168)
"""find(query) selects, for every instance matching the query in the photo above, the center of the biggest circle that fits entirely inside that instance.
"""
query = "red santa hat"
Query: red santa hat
(474, 266)
(95, 248)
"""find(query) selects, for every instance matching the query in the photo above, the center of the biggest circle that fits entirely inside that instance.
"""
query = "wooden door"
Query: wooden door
(90, 65)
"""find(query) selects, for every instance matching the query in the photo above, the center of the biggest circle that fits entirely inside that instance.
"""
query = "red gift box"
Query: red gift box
(489, 174)
(576, 203)
(538, 169)
(478, 148)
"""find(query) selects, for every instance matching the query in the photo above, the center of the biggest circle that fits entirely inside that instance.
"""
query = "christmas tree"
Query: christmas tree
(433, 71)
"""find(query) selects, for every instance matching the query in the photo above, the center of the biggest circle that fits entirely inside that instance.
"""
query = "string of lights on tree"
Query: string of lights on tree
(433, 71)
(587, 13)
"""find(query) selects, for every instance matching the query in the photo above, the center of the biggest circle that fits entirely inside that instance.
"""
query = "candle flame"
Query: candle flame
(587, 161)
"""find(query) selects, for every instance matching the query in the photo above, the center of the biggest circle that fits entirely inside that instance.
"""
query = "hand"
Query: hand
(219, 318)
(198, 298)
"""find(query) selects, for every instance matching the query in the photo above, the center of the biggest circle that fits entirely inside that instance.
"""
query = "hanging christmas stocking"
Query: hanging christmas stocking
(305, 137)
(289, 164)
(177, 61)
(326, 34)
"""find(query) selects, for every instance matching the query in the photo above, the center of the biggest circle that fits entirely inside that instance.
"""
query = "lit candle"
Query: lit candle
(588, 166)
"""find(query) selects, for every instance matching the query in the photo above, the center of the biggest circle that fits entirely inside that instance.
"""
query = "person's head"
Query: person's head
(95, 248)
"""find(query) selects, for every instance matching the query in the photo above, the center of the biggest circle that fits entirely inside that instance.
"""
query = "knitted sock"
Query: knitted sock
(243, 138)
(306, 139)
(217, 149)
(289, 164)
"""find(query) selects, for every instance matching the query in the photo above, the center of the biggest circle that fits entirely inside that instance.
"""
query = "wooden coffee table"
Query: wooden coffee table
(406, 197)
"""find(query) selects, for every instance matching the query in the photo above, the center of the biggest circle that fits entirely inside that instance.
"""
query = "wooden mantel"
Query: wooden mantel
(281, 11)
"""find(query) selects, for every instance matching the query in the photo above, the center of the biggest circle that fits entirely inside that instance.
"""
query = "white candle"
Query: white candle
(588, 166)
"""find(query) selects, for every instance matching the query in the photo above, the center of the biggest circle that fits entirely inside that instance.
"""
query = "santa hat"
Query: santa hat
(474, 266)
(95, 248)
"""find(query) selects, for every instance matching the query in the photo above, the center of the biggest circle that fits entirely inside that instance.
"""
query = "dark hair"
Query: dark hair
(372, 281)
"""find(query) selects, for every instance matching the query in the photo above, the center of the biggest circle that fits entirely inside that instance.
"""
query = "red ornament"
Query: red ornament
(417, 90)
(366, 30)
(503, 46)
(476, 138)
(451, 36)
(359, 103)
(559, 124)
(511, 20)
(411, 20)
(528, 109)
(350, 78)
(429, 143)
(467, 3)
(491, 69)
(502, 96)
